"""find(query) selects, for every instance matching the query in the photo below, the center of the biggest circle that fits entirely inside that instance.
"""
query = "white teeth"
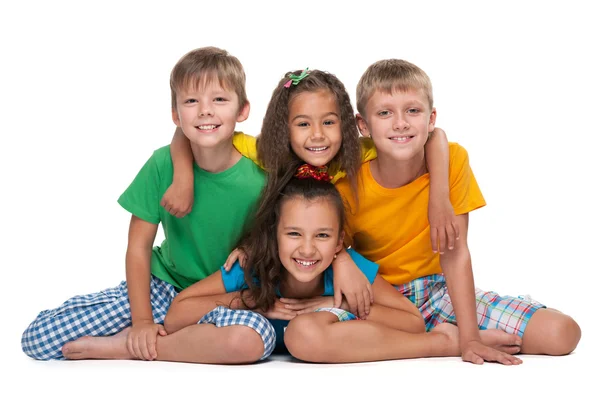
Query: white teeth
(305, 263)
(400, 139)
(317, 148)
(206, 127)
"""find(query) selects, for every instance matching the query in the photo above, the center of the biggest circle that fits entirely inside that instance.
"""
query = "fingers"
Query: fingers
(162, 331)
(456, 229)
(243, 259)
(337, 298)
(367, 302)
(450, 236)
(144, 346)
(434, 240)
(442, 240)
(230, 260)
(371, 295)
(353, 304)
(151, 347)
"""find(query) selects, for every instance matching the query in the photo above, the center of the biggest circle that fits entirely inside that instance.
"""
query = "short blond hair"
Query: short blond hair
(391, 75)
(202, 66)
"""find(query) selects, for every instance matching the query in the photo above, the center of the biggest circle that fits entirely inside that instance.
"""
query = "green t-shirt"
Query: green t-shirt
(196, 245)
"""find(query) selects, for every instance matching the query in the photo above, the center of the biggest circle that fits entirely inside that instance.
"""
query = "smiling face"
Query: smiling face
(315, 129)
(207, 114)
(399, 123)
(308, 236)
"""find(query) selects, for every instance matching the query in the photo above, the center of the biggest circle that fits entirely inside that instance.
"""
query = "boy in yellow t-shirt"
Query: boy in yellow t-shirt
(388, 223)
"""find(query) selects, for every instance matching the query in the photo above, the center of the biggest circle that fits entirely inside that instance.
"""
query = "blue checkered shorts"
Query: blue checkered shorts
(223, 316)
(99, 314)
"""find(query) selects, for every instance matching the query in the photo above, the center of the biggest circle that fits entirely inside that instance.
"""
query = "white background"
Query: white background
(84, 91)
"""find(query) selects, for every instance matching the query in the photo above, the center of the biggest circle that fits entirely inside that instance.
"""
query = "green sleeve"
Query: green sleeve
(142, 197)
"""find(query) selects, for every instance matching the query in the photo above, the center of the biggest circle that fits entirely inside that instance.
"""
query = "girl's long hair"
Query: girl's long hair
(263, 267)
(274, 148)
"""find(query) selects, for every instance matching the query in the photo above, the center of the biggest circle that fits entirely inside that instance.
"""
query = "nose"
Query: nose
(400, 124)
(317, 133)
(307, 248)
(206, 110)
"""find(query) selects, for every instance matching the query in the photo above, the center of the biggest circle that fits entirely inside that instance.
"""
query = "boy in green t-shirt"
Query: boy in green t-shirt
(208, 98)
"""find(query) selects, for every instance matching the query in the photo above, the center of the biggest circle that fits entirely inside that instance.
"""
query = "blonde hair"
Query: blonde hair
(391, 75)
(204, 65)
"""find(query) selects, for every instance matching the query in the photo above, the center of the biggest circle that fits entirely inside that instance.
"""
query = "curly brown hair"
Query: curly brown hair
(263, 271)
(274, 148)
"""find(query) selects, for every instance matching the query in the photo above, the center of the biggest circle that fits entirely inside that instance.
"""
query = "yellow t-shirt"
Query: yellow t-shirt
(390, 226)
(246, 145)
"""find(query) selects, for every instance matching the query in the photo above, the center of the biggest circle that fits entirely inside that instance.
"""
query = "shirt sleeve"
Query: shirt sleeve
(142, 197)
(465, 194)
(368, 149)
(369, 268)
(234, 279)
(246, 145)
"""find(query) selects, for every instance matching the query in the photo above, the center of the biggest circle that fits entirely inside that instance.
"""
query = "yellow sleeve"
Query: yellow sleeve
(465, 194)
(368, 153)
(246, 145)
(368, 149)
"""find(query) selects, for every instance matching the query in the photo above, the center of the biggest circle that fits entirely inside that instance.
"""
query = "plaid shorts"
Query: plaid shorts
(507, 313)
(223, 316)
(99, 314)
(342, 315)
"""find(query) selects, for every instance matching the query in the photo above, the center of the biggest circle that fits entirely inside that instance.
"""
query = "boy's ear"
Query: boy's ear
(432, 117)
(244, 112)
(362, 126)
(175, 116)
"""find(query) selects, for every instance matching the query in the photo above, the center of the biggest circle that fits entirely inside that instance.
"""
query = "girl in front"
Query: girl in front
(297, 234)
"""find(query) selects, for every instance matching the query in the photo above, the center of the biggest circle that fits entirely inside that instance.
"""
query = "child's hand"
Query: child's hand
(444, 229)
(476, 353)
(302, 306)
(350, 282)
(178, 199)
(141, 339)
(279, 311)
(236, 255)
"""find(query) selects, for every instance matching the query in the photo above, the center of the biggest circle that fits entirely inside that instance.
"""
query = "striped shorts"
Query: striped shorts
(507, 313)
(107, 312)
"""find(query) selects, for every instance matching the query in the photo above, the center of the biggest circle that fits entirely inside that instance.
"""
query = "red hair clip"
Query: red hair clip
(310, 171)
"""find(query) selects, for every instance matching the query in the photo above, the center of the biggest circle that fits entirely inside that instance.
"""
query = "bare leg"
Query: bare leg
(550, 332)
(204, 343)
(320, 337)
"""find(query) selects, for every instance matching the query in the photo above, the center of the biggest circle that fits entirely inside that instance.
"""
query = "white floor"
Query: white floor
(538, 377)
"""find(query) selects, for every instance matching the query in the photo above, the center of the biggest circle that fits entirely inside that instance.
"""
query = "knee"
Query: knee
(244, 345)
(32, 344)
(305, 339)
(563, 335)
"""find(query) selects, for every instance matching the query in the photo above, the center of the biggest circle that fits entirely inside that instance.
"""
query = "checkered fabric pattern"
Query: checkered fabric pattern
(342, 315)
(223, 316)
(99, 314)
(430, 295)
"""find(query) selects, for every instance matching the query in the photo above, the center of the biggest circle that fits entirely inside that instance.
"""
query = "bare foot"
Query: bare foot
(101, 347)
(501, 340)
(494, 338)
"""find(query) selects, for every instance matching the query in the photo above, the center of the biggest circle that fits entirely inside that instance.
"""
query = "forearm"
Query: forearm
(183, 159)
(461, 287)
(438, 161)
(138, 284)
(190, 310)
(398, 319)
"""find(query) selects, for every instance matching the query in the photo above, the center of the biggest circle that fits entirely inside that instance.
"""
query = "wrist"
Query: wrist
(141, 321)
(341, 257)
